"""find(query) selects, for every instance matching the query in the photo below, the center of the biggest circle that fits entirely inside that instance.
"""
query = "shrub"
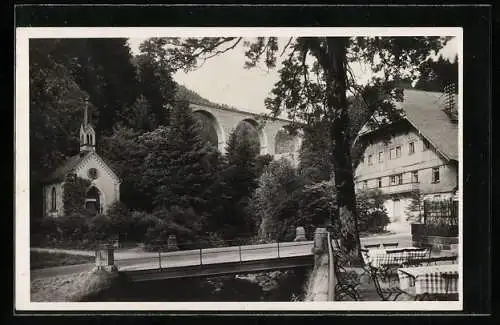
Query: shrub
(74, 191)
(372, 214)
(120, 220)
(374, 222)
(44, 231)
(99, 228)
(184, 223)
(214, 239)
(157, 235)
(73, 227)
(140, 223)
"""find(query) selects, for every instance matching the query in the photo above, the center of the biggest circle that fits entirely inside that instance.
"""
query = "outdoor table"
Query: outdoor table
(393, 256)
(428, 279)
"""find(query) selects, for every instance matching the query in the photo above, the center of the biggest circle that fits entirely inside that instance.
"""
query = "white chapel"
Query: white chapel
(105, 184)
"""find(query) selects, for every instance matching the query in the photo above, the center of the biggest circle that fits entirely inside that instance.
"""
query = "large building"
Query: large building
(417, 154)
(104, 187)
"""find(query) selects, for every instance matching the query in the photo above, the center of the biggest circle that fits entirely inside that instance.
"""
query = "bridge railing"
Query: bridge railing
(236, 253)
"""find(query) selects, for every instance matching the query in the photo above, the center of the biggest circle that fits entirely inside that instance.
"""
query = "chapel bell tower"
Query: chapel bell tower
(87, 133)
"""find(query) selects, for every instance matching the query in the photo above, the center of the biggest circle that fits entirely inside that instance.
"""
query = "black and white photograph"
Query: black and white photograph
(239, 168)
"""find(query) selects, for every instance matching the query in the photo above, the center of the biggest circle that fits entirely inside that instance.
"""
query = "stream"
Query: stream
(265, 286)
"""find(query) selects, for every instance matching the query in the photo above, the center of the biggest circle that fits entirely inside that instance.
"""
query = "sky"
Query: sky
(224, 80)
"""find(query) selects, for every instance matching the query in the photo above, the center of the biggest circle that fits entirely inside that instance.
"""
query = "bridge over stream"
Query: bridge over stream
(220, 261)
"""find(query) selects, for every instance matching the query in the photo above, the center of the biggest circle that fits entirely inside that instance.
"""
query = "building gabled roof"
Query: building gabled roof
(73, 163)
(425, 111)
(69, 165)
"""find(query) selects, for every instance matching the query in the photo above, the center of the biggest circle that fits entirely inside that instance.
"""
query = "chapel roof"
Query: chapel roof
(59, 174)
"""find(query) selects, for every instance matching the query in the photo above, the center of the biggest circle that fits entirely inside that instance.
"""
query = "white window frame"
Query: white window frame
(411, 147)
(435, 171)
(414, 176)
(398, 151)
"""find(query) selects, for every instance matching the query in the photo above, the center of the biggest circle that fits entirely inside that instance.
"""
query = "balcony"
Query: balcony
(400, 188)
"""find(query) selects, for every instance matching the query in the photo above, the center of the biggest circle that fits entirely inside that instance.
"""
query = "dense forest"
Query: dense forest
(148, 135)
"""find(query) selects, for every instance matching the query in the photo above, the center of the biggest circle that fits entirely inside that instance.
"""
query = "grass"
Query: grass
(40, 260)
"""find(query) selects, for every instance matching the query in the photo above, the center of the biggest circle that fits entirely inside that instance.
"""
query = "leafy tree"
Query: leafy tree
(154, 166)
(318, 205)
(56, 103)
(182, 171)
(155, 79)
(125, 151)
(239, 176)
(261, 162)
(139, 116)
(313, 86)
(373, 216)
(103, 68)
(436, 74)
(315, 162)
(274, 195)
(416, 207)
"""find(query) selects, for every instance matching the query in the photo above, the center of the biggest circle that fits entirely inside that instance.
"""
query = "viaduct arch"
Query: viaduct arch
(272, 137)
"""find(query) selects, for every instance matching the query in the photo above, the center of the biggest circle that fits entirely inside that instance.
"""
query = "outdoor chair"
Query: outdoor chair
(385, 289)
(448, 278)
(383, 277)
(429, 248)
(347, 283)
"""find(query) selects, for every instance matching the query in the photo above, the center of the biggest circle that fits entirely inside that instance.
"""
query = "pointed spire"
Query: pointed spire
(85, 113)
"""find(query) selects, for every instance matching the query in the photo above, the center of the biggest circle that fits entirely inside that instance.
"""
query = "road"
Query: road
(143, 261)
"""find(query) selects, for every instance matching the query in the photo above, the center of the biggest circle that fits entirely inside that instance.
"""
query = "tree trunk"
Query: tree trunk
(335, 70)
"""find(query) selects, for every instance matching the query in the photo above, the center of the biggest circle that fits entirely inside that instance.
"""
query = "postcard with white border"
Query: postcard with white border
(238, 169)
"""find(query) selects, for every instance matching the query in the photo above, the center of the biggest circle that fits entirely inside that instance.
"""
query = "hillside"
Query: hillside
(183, 93)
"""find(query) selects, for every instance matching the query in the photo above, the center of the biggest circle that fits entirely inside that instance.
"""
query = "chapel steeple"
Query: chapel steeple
(87, 133)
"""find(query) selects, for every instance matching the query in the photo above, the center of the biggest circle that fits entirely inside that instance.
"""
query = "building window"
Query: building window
(380, 157)
(414, 176)
(398, 151)
(426, 145)
(365, 185)
(392, 154)
(435, 175)
(411, 147)
(380, 182)
(397, 179)
(53, 200)
(370, 160)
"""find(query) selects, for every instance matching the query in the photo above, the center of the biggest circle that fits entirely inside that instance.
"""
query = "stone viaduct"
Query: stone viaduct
(273, 139)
